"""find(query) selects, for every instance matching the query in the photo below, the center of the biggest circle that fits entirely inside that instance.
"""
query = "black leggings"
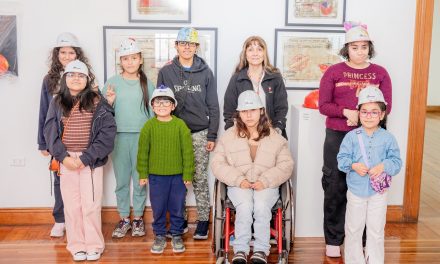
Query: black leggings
(335, 191)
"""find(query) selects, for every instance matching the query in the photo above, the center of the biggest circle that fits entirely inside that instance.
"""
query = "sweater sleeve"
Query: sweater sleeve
(327, 106)
(230, 102)
(187, 152)
(143, 152)
(282, 170)
(213, 108)
(386, 88)
(222, 170)
(44, 107)
(280, 105)
(345, 155)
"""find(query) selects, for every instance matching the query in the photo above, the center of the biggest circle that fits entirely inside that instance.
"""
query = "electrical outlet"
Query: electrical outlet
(18, 162)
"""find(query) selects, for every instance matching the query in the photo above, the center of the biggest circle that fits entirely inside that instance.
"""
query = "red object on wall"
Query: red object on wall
(144, 3)
(312, 100)
(4, 64)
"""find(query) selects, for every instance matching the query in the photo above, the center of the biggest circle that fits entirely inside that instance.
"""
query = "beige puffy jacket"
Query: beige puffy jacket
(232, 161)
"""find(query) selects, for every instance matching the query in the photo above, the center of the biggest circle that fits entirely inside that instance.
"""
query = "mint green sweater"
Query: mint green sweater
(165, 148)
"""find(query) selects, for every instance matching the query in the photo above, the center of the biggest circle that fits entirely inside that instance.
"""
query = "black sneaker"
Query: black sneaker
(201, 230)
(239, 258)
(259, 258)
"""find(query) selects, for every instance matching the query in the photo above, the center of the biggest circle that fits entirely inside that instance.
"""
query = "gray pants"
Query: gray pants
(200, 180)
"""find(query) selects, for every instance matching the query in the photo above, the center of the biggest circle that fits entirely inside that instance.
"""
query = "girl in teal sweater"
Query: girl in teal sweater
(129, 94)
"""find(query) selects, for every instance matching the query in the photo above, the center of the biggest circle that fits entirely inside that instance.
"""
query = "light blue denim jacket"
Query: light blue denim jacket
(381, 147)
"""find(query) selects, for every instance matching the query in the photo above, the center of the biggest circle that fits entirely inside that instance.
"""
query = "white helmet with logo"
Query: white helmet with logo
(77, 66)
(67, 39)
(163, 91)
(128, 47)
(370, 94)
(249, 100)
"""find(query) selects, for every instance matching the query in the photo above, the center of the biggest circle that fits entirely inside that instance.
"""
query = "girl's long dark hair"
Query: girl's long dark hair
(383, 108)
(144, 86)
(54, 74)
(66, 101)
(263, 127)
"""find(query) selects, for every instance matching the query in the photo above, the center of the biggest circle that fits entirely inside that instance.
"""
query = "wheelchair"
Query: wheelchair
(281, 230)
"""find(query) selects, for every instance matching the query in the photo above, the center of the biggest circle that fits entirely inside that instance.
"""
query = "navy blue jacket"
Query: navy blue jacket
(276, 97)
(102, 134)
(45, 99)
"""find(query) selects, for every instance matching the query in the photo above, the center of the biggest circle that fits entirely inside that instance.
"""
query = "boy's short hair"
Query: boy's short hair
(344, 50)
(164, 98)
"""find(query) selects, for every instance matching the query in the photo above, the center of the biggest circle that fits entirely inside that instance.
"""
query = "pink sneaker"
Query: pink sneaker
(332, 251)
(57, 230)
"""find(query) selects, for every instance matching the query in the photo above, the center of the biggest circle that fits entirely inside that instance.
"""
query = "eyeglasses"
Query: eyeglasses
(184, 43)
(373, 114)
(165, 103)
(76, 75)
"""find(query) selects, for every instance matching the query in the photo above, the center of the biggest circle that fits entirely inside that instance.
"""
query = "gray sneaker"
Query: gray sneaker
(185, 230)
(160, 243)
(121, 228)
(177, 243)
(138, 228)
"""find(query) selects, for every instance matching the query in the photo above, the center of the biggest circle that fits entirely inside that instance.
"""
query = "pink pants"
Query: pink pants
(82, 208)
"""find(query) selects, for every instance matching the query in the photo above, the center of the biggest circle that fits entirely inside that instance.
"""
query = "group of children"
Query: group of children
(150, 132)
(162, 137)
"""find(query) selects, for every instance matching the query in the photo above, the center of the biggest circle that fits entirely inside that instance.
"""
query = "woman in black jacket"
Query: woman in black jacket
(254, 72)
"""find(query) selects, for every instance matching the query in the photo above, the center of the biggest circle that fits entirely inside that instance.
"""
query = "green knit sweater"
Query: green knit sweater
(165, 148)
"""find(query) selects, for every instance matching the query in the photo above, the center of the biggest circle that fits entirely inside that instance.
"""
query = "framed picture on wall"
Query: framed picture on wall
(8, 46)
(304, 55)
(157, 45)
(159, 11)
(323, 13)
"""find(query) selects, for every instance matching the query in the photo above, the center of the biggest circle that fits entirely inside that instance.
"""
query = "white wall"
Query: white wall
(41, 21)
(434, 62)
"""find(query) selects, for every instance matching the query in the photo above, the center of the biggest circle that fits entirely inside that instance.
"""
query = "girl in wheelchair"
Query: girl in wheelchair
(253, 160)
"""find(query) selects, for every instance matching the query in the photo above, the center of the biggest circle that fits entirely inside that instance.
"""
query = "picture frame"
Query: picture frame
(8, 46)
(157, 45)
(159, 11)
(304, 55)
(318, 13)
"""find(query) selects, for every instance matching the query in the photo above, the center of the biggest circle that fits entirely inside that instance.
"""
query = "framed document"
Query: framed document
(304, 55)
(157, 45)
(323, 13)
(159, 11)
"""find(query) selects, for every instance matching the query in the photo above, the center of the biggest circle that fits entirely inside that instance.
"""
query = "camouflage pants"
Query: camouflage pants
(200, 180)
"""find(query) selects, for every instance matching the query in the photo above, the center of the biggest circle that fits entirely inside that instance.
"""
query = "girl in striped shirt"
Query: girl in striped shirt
(80, 130)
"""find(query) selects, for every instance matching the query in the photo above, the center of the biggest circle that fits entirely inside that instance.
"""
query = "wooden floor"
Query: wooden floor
(404, 243)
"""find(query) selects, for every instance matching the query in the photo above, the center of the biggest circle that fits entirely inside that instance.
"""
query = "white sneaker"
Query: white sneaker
(93, 256)
(57, 230)
(332, 251)
(79, 256)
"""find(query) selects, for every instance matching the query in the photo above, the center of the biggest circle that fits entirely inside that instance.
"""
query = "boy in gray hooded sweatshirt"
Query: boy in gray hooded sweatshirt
(195, 88)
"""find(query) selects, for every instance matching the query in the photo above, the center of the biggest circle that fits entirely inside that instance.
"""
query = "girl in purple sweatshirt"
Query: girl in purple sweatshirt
(338, 95)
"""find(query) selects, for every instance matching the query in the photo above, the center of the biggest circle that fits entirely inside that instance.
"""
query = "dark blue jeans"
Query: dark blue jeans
(58, 208)
(167, 194)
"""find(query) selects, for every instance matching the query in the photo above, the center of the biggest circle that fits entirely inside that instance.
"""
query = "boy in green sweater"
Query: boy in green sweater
(166, 161)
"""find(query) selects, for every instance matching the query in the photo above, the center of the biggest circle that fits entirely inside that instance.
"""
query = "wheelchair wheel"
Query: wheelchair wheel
(218, 218)
(221, 258)
(289, 215)
(283, 258)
